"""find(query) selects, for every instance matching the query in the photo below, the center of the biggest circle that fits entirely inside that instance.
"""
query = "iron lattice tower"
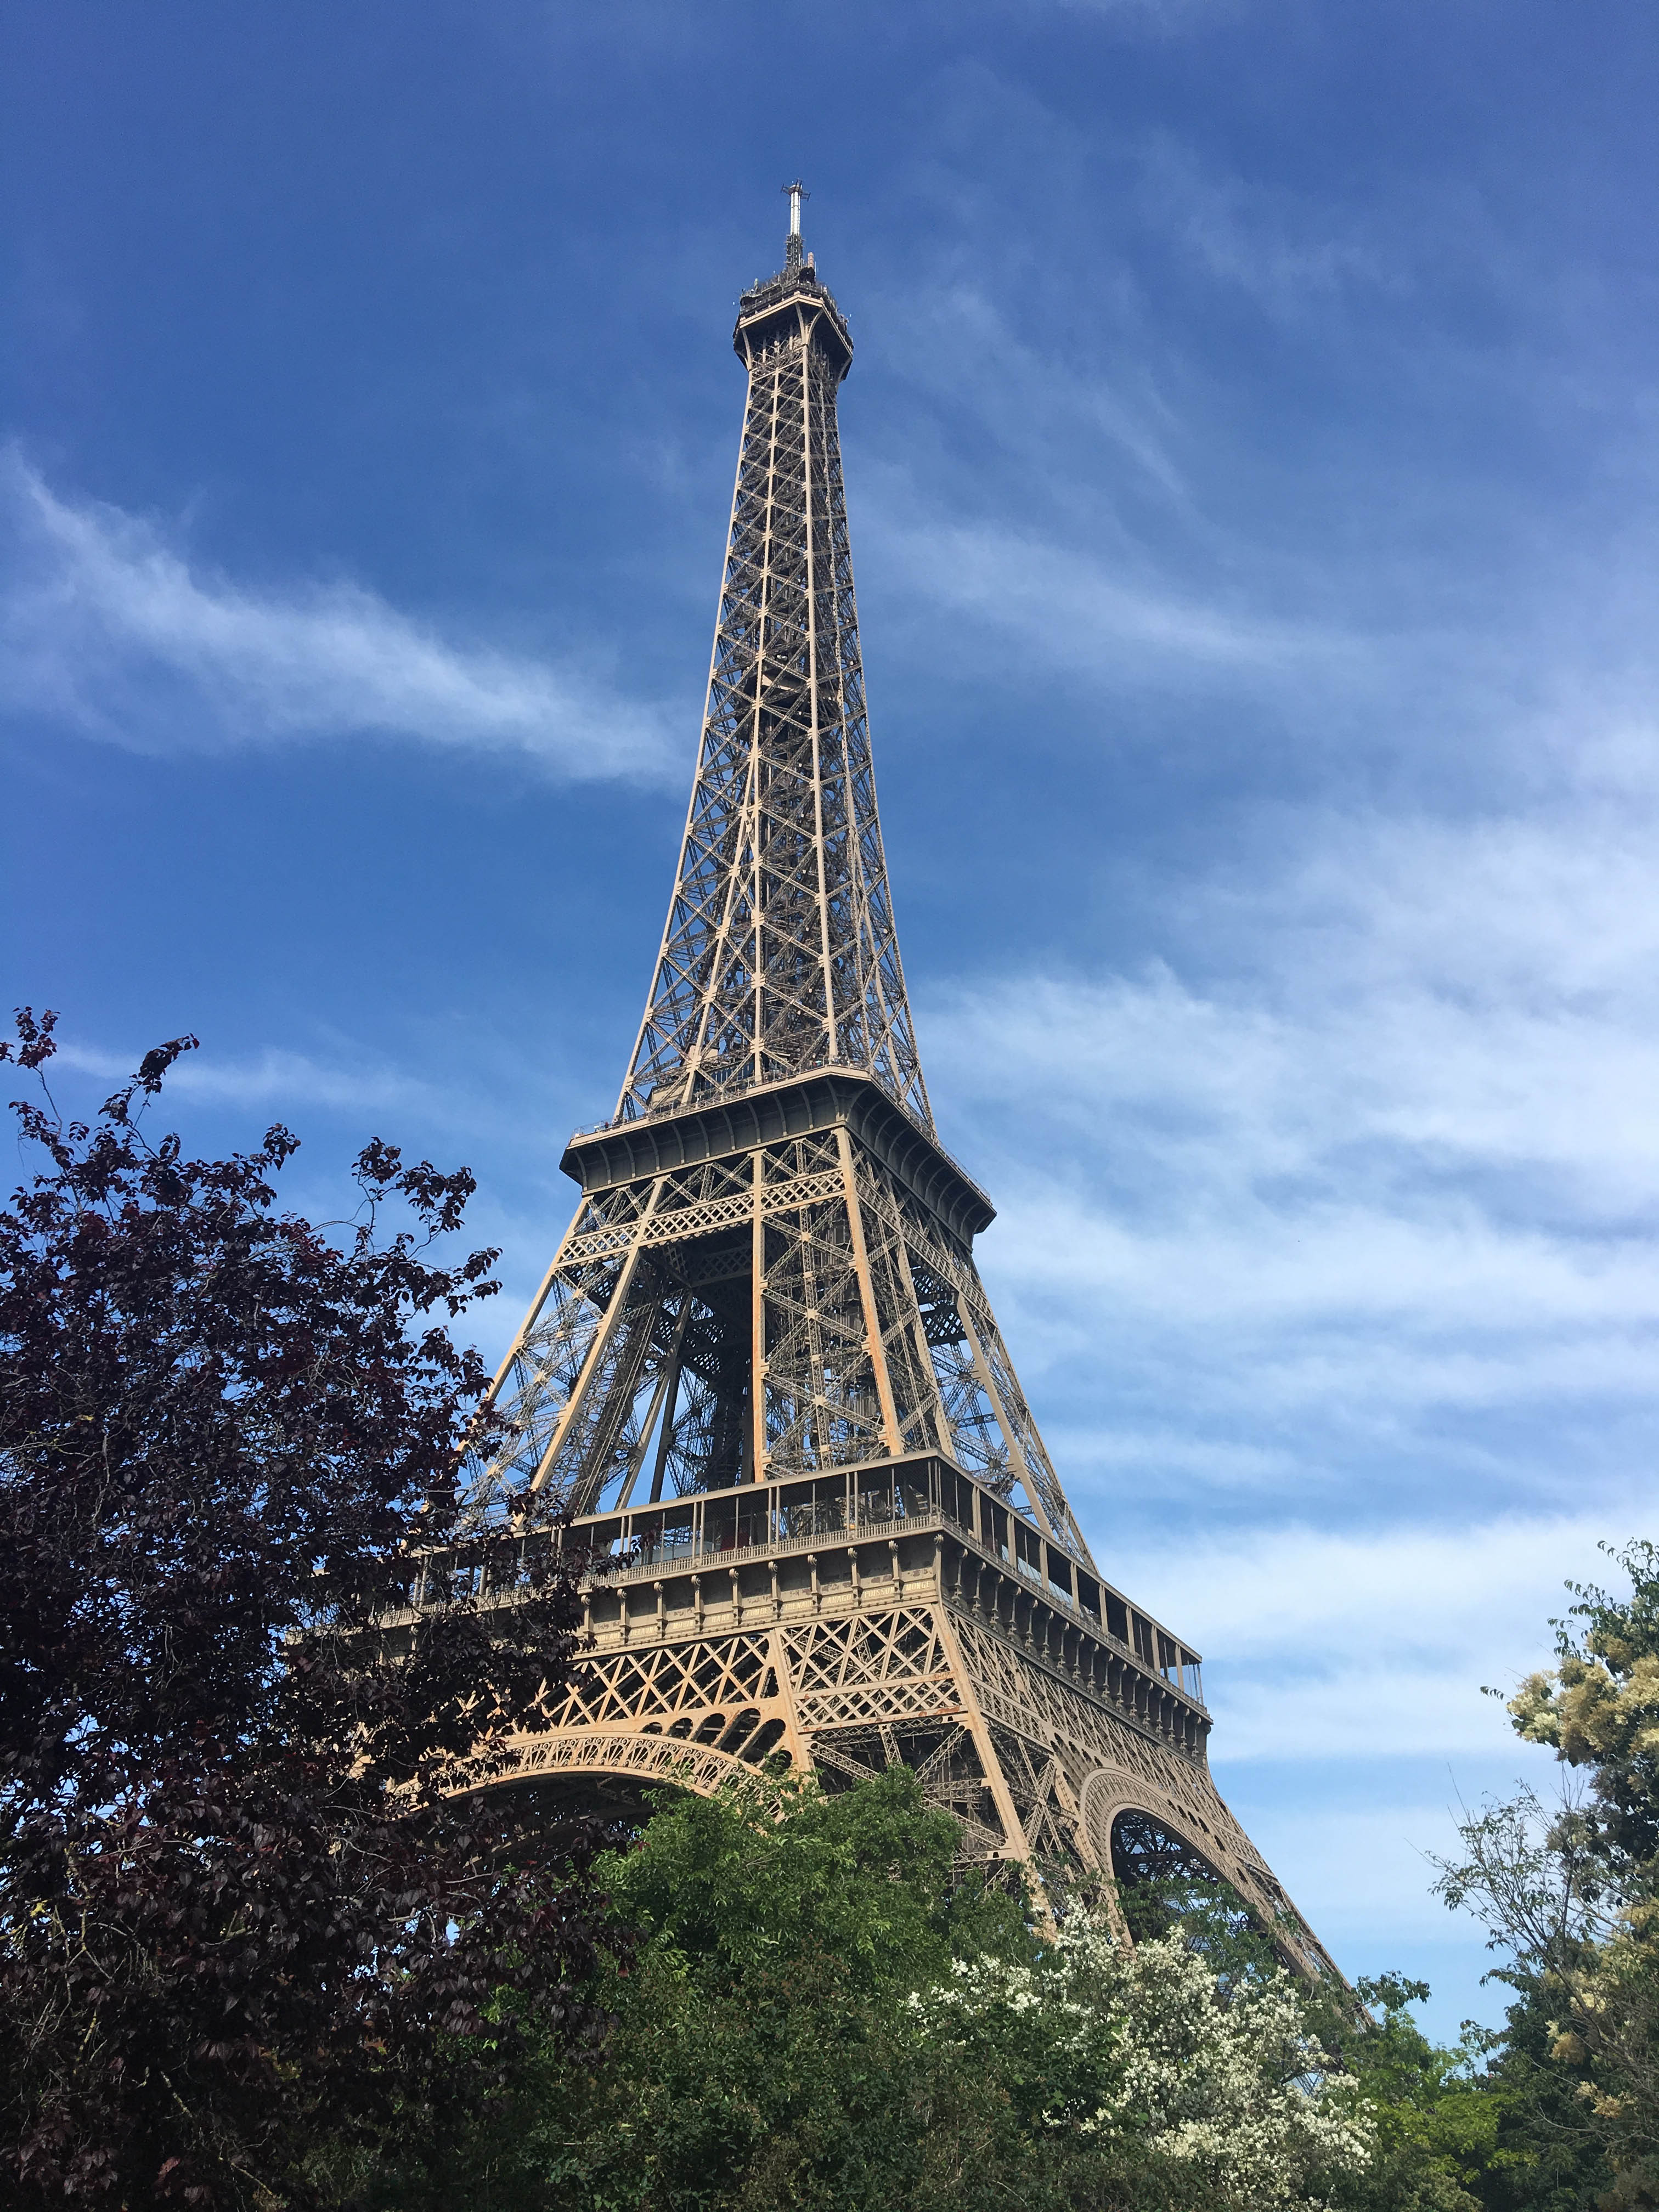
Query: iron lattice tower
(763, 1374)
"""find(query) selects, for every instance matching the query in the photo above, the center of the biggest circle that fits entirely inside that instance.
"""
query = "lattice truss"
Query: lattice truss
(865, 1692)
(806, 1262)
(1050, 1740)
(883, 1665)
(946, 1760)
(793, 1308)
(970, 1714)
(796, 1307)
(779, 953)
(683, 1689)
(897, 1696)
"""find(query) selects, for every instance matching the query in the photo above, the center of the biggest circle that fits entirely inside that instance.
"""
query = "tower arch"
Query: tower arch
(561, 1761)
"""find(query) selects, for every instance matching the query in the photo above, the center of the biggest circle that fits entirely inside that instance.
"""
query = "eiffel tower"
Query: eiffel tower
(762, 1378)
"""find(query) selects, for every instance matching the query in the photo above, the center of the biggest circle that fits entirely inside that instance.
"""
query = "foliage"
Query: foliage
(1549, 2153)
(1571, 1896)
(250, 1956)
(235, 1914)
(1211, 1917)
(816, 2012)
(1140, 2047)
(1435, 2115)
(814, 2015)
(1598, 1706)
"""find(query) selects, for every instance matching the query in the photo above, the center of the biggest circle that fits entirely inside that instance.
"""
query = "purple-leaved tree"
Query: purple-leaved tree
(242, 1928)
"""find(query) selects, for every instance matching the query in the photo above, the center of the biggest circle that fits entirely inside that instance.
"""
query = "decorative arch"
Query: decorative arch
(1145, 1847)
(1112, 1794)
(665, 1761)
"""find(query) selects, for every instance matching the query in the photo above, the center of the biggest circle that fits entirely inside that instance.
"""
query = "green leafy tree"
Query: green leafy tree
(817, 2012)
(1435, 2112)
(1550, 2151)
(762, 2054)
(1570, 1895)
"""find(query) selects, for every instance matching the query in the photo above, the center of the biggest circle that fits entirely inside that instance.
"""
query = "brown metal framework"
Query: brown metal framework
(762, 1373)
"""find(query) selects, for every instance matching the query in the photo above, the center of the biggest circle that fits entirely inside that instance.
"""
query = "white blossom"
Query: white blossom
(1142, 2044)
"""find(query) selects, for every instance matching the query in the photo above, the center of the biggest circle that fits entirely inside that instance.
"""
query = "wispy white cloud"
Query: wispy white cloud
(1286, 251)
(1090, 498)
(953, 340)
(1363, 1877)
(1318, 1639)
(1151, 17)
(1094, 613)
(107, 628)
(1373, 1144)
(1051, 507)
(274, 1076)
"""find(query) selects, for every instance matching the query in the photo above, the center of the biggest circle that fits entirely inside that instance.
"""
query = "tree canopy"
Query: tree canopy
(1569, 1897)
(816, 2010)
(235, 1907)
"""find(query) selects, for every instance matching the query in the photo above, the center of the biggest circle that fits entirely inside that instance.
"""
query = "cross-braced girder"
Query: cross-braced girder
(779, 953)
(762, 1379)
(782, 1310)
(807, 1303)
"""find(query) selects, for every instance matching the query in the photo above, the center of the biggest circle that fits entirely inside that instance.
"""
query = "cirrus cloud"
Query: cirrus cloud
(108, 628)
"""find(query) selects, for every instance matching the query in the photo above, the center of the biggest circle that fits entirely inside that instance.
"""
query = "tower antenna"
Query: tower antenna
(797, 192)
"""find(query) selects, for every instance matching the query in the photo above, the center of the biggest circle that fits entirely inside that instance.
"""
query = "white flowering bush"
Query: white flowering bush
(1142, 2048)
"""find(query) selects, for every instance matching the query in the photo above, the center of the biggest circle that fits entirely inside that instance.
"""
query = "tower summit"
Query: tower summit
(763, 1374)
(797, 192)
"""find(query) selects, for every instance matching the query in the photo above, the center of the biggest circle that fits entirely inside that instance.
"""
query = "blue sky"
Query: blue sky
(1251, 457)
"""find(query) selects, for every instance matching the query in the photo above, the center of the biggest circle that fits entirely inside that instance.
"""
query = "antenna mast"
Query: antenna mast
(797, 192)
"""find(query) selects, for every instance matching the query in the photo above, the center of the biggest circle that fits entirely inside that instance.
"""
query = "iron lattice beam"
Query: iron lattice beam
(780, 952)
(762, 1373)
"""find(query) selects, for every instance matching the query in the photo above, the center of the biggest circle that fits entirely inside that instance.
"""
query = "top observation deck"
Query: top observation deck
(794, 304)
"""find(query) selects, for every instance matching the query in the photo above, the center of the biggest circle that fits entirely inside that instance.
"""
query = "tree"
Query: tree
(1598, 1708)
(1569, 1894)
(762, 2053)
(238, 1919)
(818, 2012)
(1434, 2110)
(1142, 2052)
